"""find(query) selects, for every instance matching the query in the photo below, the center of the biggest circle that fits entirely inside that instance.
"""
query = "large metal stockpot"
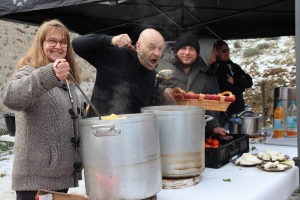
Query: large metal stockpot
(182, 135)
(121, 157)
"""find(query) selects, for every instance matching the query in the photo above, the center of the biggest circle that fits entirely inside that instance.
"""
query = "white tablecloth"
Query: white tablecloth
(246, 182)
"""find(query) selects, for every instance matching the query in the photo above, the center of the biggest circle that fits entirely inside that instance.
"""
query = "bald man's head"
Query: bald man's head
(150, 33)
(150, 44)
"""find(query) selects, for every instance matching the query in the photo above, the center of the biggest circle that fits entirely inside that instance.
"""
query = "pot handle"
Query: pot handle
(106, 130)
(208, 118)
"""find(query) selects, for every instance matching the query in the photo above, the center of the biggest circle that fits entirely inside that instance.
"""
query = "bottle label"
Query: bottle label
(291, 122)
(278, 124)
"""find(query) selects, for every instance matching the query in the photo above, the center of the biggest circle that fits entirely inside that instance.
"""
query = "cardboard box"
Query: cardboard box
(50, 195)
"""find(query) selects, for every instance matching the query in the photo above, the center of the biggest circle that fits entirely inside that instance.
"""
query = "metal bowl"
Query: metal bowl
(166, 74)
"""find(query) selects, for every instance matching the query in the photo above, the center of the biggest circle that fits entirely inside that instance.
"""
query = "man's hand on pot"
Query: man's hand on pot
(169, 96)
(219, 131)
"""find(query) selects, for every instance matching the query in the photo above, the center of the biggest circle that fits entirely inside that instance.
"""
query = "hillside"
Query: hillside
(271, 60)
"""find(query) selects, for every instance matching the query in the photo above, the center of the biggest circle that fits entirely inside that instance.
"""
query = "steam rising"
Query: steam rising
(120, 101)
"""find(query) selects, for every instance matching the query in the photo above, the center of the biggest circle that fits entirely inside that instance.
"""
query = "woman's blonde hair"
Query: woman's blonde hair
(36, 56)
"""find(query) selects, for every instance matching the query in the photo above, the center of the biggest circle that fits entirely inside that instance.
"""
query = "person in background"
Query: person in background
(231, 78)
(125, 82)
(208, 54)
(43, 153)
(190, 73)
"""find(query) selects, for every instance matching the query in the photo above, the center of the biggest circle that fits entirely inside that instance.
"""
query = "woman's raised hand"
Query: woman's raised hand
(61, 68)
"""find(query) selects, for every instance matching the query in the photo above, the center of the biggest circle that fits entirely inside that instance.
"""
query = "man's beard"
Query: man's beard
(186, 65)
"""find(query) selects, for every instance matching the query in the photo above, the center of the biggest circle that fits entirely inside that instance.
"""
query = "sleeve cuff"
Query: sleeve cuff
(48, 77)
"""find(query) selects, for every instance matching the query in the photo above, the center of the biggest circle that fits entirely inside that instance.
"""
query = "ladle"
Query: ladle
(165, 74)
(144, 58)
(93, 107)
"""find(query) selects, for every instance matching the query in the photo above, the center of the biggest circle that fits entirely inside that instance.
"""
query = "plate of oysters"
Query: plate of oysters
(247, 160)
(274, 167)
(273, 156)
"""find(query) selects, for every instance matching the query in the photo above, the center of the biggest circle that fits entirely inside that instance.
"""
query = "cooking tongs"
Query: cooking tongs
(87, 99)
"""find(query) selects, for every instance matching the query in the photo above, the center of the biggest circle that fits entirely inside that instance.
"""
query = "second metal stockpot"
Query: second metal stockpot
(182, 135)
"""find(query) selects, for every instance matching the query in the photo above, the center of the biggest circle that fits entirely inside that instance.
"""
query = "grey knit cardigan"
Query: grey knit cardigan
(43, 153)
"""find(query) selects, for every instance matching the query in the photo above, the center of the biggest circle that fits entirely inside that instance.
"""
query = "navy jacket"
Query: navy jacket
(238, 88)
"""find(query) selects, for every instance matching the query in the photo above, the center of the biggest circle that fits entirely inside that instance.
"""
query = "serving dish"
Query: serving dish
(261, 167)
(247, 165)
(286, 157)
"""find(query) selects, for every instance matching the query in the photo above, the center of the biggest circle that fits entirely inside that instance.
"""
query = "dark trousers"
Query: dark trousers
(30, 195)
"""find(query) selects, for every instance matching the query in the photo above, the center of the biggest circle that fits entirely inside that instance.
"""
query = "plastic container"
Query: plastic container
(10, 123)
(291, 120)
(279, 121)
(218, 157)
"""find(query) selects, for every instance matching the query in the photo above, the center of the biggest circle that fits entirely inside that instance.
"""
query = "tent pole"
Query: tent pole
(297, 40)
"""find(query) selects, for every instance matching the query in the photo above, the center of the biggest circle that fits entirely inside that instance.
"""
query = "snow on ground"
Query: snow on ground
(281, 49)
(6, 162)
(6, 193)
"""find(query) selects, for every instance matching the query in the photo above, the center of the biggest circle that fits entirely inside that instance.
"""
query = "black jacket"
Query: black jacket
(238, 88)
(122, 84)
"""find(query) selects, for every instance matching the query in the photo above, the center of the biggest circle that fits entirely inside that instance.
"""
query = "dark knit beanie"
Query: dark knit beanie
(187, 39)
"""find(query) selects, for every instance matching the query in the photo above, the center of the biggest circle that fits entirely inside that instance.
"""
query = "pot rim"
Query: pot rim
(174, 110)
(130, 118)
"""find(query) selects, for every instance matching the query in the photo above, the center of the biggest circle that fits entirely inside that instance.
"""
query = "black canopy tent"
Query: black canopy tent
(224, 19)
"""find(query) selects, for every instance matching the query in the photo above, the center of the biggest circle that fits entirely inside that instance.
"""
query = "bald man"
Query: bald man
(125, 82)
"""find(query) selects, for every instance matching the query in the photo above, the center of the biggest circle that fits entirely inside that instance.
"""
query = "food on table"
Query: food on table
(227, 180)
(253, 148)
(271, 155)
(215, 142)
(207, 145)
(215, 102)
(113, 116)
(247, 159)
(178, 93)
(211, 143)
(274, 165)
(208, 141)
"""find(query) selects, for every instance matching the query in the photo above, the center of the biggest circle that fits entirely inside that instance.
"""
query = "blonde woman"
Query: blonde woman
(46, 152)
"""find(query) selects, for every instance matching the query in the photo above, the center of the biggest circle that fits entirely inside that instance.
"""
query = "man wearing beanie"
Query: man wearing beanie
(190, 74)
